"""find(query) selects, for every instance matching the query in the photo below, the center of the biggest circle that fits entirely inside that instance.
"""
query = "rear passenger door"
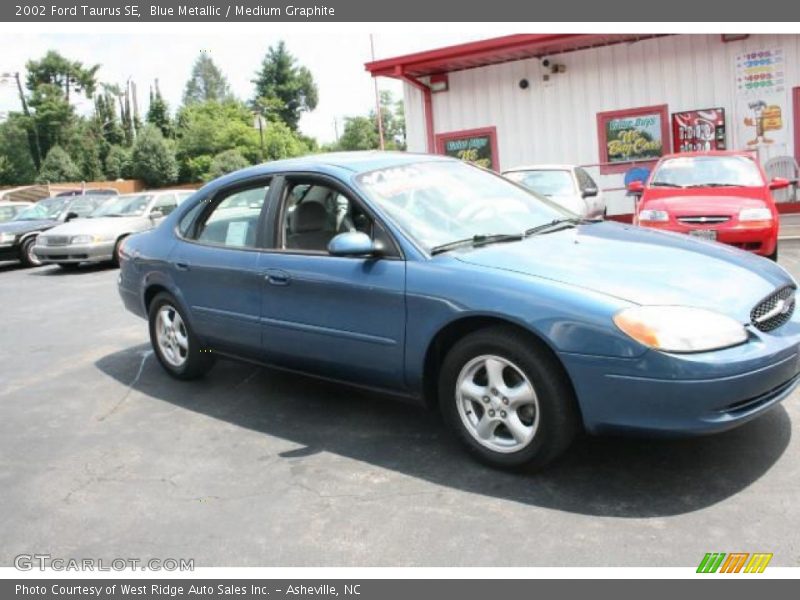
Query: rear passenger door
(215, 266)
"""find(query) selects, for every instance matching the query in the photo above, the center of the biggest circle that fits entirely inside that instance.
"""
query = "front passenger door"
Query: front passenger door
(341, 317)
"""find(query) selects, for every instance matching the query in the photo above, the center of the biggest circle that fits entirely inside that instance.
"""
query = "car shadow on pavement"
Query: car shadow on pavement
(603, 476)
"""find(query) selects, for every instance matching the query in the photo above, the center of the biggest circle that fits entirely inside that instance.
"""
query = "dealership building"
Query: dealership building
(611, 103)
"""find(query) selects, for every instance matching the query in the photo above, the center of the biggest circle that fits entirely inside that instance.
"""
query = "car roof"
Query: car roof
(356, 162)
(543, 167)
(746, 153)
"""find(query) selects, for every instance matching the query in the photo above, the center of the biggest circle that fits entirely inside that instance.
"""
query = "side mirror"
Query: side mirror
(636, 187)
(156, 214)
(779, 183)
(70, 216)
(589, 192)
(352, 243)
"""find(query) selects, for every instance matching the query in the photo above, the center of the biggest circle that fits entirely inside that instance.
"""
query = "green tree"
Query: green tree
(58, 167)
(56, 70)
(206, 83)
(360, 133)
(226, 162)
(153, 158)
(18, 166)
(158, 113)
(283, 87)
(117, 163)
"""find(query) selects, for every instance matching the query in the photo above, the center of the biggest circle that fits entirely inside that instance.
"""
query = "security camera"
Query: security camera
(545, 62)
(523, 84)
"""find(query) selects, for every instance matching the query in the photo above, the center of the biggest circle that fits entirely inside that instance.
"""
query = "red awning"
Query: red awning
(493, 51)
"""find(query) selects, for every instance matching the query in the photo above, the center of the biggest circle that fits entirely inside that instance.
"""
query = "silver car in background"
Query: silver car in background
(97, 238)
(567, 185)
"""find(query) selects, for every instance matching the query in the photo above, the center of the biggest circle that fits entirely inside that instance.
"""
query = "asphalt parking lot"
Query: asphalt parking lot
(103, 455)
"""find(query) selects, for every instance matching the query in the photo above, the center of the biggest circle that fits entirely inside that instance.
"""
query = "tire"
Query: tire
(26, 255)
(68, 266)
(545, 423)
(115, 255)
(178, 349)
(774, 255)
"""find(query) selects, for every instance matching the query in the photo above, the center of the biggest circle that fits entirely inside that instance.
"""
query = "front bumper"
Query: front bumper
(759, 240)
(688, 393)
(75, 253)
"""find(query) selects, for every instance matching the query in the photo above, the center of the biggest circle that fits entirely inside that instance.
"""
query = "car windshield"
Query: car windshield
(439, 203)
(49, 208)
(549, 182)
(707, 171)
(123, 206)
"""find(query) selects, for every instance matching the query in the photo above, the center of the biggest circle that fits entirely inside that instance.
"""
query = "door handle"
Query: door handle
(277, 277)
(181, 266)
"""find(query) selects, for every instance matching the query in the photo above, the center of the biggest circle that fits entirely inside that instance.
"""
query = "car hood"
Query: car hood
(572, 202)
(26, 226)
(102, 226)
(686, 206)
(641, 266)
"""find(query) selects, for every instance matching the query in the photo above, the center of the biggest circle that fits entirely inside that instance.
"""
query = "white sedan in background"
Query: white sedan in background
(568, 185)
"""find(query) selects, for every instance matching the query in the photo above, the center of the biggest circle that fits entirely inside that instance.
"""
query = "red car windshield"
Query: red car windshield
(707, 171)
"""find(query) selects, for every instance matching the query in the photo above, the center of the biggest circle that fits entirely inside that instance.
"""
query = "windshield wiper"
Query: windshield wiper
(555, 225)
(712, 184)
(477, 241)
(665, 184)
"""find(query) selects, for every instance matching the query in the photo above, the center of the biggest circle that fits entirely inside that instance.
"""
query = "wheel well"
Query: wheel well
(447, 337)
(151, 293)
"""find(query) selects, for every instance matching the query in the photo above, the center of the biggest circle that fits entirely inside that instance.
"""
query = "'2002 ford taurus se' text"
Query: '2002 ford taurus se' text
(428, 277)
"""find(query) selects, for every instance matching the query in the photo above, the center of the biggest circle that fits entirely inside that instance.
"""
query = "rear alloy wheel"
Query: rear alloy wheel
(177, 348)
(26, 254)
(507, 398)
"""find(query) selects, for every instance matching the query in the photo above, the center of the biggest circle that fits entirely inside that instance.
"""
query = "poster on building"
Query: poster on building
(761, 102)
(630, 136)
(698, 130)
(478, 146)
(760, 71)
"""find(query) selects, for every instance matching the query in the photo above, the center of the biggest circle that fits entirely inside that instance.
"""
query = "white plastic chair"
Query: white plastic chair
(786, 167)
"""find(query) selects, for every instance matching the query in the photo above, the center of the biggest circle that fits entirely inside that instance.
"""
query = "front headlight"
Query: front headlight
(680, 328)
(7, 238)
(755, 214)
(660, 216)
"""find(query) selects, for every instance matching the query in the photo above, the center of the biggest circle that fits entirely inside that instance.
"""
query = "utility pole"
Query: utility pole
(378, 111)
(33, 134)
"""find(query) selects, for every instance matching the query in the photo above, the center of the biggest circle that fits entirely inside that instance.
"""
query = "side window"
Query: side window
(314, 213)
(233, 221)
(166, 203)
(83, 207)
(584, 179)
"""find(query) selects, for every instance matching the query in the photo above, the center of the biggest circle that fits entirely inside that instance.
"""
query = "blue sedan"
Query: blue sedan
(434, 279)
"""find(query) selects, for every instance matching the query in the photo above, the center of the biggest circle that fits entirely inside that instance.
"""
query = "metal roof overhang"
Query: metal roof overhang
(493, 51)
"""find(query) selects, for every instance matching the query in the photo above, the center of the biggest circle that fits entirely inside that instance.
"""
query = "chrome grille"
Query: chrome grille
(774, 310)
(56, 240)
(704, 220)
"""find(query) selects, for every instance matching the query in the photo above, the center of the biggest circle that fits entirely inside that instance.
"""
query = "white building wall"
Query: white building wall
(556, 121)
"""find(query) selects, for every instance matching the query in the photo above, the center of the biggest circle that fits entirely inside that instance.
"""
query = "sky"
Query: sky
(335, 59)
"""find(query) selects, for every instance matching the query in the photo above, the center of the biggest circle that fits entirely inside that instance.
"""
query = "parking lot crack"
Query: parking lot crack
(145, 355)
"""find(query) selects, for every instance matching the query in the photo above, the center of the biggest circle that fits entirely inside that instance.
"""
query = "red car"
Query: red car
(722, 196)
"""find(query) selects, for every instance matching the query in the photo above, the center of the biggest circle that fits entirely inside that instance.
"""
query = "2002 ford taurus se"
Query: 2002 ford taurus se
(432, 278)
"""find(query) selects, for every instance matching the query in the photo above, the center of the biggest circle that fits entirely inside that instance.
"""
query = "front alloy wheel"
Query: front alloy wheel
(497, 403)
(507, 398)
